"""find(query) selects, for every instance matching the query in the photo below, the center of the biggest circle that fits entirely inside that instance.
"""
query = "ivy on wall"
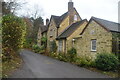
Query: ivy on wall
(116, 35)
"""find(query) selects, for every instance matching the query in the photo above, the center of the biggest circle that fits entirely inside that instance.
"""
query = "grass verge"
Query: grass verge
(109, 73)
(10, 66)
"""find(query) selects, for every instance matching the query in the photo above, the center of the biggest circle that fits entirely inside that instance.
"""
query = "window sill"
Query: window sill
(93, 50)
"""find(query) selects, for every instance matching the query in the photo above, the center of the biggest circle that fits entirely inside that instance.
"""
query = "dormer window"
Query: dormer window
(75, 18)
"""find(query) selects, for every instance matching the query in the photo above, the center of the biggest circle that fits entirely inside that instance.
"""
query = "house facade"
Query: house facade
(66, 39)
(88, 38)
(42, 32)
(98, 37)
(59, 24)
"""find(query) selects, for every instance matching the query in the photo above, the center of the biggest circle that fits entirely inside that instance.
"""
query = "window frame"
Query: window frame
(92, 45)
(60, 47)
(75, 17)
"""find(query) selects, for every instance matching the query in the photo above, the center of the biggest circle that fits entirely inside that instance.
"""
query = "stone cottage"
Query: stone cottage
(64, 28)
(42, 32)
(66, 38)
(88, 38)
(98, 36)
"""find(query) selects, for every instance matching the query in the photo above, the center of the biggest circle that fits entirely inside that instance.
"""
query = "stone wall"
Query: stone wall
(70, 43)
(65, 23)
(94, 31)
(51, 34)
(39, 36)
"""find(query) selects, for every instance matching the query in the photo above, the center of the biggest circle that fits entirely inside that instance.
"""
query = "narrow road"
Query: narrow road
(39, 66)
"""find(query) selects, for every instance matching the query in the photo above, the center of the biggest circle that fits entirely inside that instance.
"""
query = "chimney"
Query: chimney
(70, 5)
(71, 11)
(47, 21)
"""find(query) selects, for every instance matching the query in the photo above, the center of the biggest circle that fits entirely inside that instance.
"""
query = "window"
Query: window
(60, 47)
(93, 45)
(75, 17)
(50, 29)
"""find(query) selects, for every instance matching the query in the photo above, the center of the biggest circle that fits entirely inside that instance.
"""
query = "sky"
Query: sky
(104, 9)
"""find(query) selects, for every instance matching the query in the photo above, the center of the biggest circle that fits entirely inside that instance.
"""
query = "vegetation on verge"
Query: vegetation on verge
(107, 62)
(13, 35)
(38, 49)
(10, 66)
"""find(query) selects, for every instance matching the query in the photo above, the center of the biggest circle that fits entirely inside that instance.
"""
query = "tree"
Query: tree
(37, 23)
(11, 6)
(32, 11)
(13, 34)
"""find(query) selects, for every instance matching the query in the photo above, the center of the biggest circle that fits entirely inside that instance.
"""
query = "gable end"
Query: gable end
(97, 23)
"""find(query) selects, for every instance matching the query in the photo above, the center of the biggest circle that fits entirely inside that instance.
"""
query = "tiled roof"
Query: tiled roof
(56, 19)
(43, 28)
(59, 19)
(70, 29)
(111, 26)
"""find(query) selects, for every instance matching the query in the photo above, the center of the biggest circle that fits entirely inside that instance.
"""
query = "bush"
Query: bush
(72, 51)
(83, 61)
(62, 57)
(28, 43)
(54, 55)
(53, 47)
(38, 49)
(44, 41)
(106, 61)
(13, 34)
(71, 54)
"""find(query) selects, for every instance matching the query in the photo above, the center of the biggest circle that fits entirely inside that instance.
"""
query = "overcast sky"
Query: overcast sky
(105, 9)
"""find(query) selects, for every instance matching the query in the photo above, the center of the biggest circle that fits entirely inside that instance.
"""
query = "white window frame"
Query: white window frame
(92, 45)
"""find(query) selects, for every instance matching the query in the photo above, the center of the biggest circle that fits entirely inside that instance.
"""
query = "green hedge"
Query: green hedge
(107, 61)
(13, 34)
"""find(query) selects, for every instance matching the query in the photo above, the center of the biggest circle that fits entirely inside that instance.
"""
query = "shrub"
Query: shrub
(72, 51)
(106, 61)
(53, 47)
(54, 55)
(62, 57)
(44, 41)
(71, 54)
(13, 34)
(38, 49)
(82, 61)
(28, 43)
